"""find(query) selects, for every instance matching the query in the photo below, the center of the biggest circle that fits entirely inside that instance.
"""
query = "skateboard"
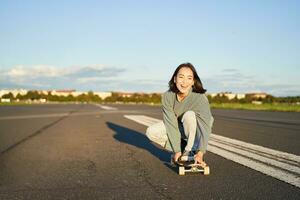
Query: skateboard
(190, 166)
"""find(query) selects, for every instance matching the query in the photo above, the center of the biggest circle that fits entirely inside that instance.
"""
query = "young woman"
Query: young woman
(186, 116)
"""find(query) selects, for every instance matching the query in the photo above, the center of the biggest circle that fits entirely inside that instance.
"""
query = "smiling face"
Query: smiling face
(184, 80)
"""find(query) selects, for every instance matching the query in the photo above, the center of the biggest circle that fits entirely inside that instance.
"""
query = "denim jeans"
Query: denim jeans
(187, 126)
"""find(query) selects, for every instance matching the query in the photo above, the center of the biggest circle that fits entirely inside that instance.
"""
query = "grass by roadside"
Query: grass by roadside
(249, 106)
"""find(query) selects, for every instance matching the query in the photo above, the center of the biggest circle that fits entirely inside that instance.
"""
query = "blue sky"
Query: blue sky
(237, 46)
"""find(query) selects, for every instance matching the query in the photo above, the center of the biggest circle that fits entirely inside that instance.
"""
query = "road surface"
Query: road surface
(89, 151)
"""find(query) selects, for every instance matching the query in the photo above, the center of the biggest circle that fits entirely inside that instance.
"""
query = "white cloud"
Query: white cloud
(46, 76)
(39, 71)
(18, 71)
(23, 72)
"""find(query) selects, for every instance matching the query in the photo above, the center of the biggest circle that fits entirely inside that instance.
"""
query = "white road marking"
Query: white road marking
(106, 107)
(281, 165)
(142, 119)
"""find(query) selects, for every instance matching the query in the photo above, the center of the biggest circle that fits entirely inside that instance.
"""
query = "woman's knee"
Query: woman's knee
(189, 116)
(155, 131)
(149, 132)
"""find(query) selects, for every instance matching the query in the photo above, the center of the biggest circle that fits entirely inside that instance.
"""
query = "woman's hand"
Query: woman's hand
(199, 159)
(176, 156)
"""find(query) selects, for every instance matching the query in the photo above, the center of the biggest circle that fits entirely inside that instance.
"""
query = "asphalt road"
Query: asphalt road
(86, 152)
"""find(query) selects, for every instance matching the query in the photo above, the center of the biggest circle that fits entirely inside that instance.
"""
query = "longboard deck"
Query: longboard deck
(194, 168)
(190, 167)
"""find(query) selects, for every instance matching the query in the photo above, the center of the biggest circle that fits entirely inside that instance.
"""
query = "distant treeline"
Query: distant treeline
(140, 98)
(89, 97)
(250, 99)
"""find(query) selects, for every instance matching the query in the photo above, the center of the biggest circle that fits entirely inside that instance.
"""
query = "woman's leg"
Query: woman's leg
(157, 133)
(189, 123)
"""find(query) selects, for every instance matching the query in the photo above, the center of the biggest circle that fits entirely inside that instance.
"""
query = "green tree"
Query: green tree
(220, 99)
(8, 96)
(20, 97)
(209, 97)
(70, 98)
(248, 98)
(33, 95)
(234, 100)
(155, 98)
(268, 99)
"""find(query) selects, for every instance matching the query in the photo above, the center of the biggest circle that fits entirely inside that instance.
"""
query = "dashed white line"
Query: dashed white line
(106, 107)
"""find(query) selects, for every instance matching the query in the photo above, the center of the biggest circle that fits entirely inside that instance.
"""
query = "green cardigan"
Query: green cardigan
(172, 109)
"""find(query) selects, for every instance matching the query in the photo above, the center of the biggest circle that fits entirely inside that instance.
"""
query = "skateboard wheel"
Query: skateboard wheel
(181, 171)
(206, 170)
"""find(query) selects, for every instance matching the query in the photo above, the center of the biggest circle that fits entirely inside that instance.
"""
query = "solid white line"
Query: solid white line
(276, 173)
(261, 153)
(280, 154)
(268, 161)
(257, 157)
(142, 119)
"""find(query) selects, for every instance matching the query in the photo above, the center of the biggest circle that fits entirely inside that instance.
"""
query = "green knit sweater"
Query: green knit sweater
(173, 109)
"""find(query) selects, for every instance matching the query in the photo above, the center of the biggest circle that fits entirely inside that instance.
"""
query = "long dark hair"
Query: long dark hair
(197, 87)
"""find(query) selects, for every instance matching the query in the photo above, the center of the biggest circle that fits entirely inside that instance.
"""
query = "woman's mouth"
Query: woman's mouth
(183, 87)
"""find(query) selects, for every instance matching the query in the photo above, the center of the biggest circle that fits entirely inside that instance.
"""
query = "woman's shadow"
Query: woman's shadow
(139, 140)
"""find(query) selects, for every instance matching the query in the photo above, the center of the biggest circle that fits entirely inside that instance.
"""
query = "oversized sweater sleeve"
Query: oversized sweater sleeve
(171, 122)
(205, 121)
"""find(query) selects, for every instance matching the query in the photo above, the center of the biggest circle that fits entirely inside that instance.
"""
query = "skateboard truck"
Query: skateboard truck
(193, 168)
(190, 166)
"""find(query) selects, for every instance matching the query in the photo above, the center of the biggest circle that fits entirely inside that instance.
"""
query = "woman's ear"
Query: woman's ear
(174, 79)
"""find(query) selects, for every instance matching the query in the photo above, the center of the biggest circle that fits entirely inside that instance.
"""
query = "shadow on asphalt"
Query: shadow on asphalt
(139, 140)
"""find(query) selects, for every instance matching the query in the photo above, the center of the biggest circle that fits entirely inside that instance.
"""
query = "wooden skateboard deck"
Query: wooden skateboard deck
(190, 167)
(182, 169)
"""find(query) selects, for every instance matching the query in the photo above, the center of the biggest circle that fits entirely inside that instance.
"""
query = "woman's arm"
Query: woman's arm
(204, 120)
(171, 123)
